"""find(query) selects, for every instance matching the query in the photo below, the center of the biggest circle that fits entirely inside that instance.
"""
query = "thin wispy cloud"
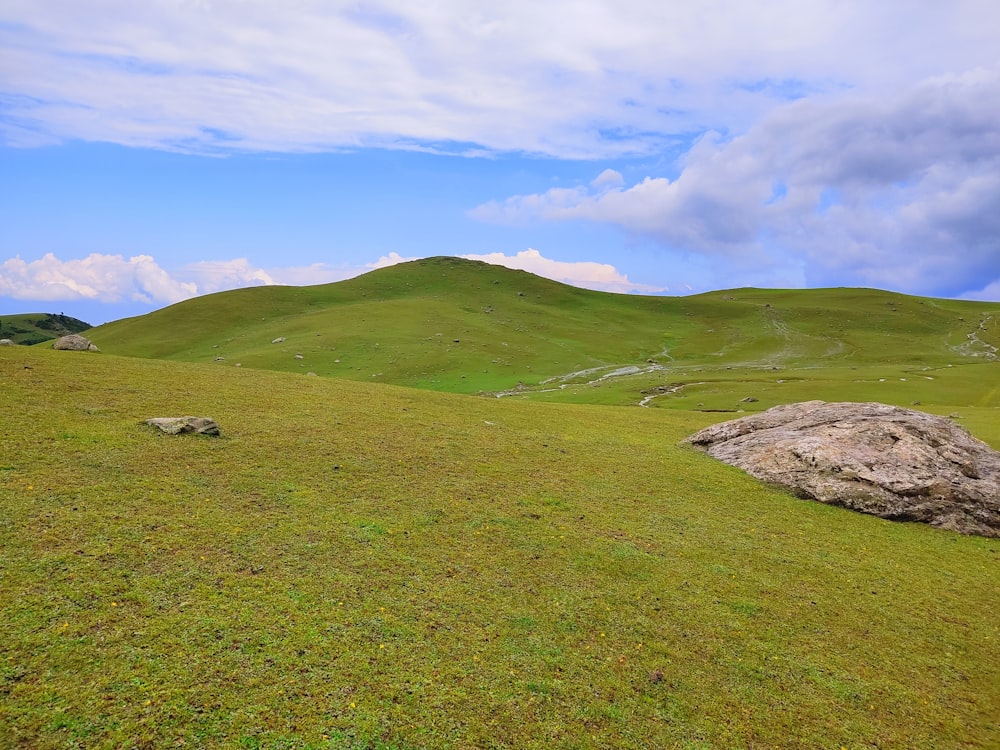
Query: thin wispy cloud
(554, 78)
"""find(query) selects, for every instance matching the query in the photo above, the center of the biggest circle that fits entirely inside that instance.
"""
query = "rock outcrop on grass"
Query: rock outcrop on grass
(6, 342)
(75, 342)
(890, 462)
(185, 425)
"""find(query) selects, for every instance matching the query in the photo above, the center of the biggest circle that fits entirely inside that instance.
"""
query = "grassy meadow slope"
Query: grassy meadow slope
(462, 326)
(356, 565)
(34, 328)
(441, 323)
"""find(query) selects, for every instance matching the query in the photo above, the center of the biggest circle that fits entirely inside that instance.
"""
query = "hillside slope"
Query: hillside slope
(464, 326)
(34, 328)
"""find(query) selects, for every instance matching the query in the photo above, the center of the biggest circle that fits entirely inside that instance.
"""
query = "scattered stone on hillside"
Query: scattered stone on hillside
(76, 343)
(299, 356)
(185, 425)
(278, 340)
(890, 462)
(220, 359)
(6, 342)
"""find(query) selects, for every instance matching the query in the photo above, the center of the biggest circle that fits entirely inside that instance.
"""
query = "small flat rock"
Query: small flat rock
(890, 462)
(74, 342)
(185, 425)
(6, 342)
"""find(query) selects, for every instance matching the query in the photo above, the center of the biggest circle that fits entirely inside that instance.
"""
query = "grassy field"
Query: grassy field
(358, 565)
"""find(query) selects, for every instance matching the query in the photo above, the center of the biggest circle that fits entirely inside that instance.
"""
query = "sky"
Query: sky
(158, 150)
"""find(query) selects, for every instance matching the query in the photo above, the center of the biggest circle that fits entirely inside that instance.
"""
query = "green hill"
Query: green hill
(441, 323)
(35, 328)
(356, 566)
(463, 326)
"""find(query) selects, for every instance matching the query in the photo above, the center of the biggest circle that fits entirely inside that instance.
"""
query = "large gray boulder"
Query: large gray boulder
(76, 343)
(185, 425)
(891, 462)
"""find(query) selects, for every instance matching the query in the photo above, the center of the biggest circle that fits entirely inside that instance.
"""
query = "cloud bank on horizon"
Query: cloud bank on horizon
(794, 143)
(114, 278)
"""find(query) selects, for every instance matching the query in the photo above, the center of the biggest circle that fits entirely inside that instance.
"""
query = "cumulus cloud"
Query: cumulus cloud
(898, 192)
(619, 78)
(389, 260)
(101, 278)
(589, 275)
(609, 178)
(114, 279)
(216, 275)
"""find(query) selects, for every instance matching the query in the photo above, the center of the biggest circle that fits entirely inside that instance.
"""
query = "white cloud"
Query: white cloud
(558, 78)
(314, 273)
(897, 192)
(389, 260)
(988, 293)
(586, 274)
(101, 278)
(609, 178)
(216, 275)
(113, 279)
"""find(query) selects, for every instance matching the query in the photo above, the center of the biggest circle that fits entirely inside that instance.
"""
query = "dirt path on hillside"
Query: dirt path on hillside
(975, 346)
(608, 372)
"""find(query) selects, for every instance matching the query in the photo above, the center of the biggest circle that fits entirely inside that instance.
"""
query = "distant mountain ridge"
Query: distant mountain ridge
(34, 328)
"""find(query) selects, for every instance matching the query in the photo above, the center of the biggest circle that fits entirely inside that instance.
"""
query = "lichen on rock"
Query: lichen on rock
(75, 342)
(890, 462)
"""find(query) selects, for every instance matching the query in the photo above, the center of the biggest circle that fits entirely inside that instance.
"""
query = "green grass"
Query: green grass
(460, 326)
(35, 328)
(358, 565)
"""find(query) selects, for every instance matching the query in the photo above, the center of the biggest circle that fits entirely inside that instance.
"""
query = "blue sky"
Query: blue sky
(153, 151)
